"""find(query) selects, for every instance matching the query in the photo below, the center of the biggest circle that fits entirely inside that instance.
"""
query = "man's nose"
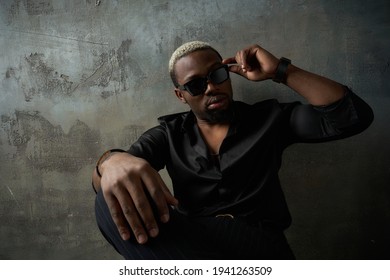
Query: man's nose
(211, 87)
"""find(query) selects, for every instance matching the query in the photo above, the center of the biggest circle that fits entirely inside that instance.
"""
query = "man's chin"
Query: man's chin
(220, 116)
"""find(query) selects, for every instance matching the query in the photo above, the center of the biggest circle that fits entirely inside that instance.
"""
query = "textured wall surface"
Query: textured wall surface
(79, 77)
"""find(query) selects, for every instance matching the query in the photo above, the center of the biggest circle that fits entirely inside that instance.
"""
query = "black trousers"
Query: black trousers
(204, 238)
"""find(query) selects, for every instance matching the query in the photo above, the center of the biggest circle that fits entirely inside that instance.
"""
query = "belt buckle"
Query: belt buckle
(225, 215)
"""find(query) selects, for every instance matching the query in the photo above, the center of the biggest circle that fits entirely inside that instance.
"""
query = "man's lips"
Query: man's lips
(216, 101)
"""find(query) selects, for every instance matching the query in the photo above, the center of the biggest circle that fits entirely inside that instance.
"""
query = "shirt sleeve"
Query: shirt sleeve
(344, 118)
(152, 146)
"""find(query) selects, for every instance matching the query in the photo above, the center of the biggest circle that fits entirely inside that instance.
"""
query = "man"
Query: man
(223, 157)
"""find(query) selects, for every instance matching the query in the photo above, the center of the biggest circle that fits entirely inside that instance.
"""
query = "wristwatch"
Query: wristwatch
(281, 70)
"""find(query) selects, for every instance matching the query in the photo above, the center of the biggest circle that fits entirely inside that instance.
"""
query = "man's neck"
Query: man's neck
(213, 134)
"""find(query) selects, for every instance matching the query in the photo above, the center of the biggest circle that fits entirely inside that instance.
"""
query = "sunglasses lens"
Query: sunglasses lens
(220, 75)
(196, 86)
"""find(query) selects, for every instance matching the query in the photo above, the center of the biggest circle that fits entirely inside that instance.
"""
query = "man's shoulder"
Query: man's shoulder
(260, 105)
(264, 104)
(173, 117)
(170, 122)
(263, 110)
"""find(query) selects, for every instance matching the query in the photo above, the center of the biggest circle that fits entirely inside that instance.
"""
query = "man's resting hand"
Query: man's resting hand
(132, 188)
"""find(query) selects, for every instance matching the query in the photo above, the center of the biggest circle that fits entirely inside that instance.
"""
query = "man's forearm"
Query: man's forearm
(317, 90)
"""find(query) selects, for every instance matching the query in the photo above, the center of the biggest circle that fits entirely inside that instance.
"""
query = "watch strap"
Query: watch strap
(281, 70)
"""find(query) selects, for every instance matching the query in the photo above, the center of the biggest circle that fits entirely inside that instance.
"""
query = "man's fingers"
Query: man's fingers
(230, 60)
(125, 214)
(243, 59)
(155, 186)
(132, 217)
(169, 199)
(142, 206)
(237, 69)
(169, 196)
(117, 216)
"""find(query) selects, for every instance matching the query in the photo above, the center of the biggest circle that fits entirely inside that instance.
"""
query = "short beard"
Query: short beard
(219, 116)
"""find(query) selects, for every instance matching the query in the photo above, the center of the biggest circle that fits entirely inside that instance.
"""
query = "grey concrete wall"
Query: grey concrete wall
(78, 77)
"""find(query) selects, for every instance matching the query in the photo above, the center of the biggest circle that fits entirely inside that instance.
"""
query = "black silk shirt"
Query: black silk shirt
(245, 182)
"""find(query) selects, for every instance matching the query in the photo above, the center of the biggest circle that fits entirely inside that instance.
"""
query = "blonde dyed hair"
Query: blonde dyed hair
(185, 50)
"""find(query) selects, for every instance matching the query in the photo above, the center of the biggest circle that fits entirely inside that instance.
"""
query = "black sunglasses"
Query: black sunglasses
(198, 86)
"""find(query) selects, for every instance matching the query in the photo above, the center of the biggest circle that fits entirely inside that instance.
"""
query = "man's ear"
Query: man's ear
(180, 95)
